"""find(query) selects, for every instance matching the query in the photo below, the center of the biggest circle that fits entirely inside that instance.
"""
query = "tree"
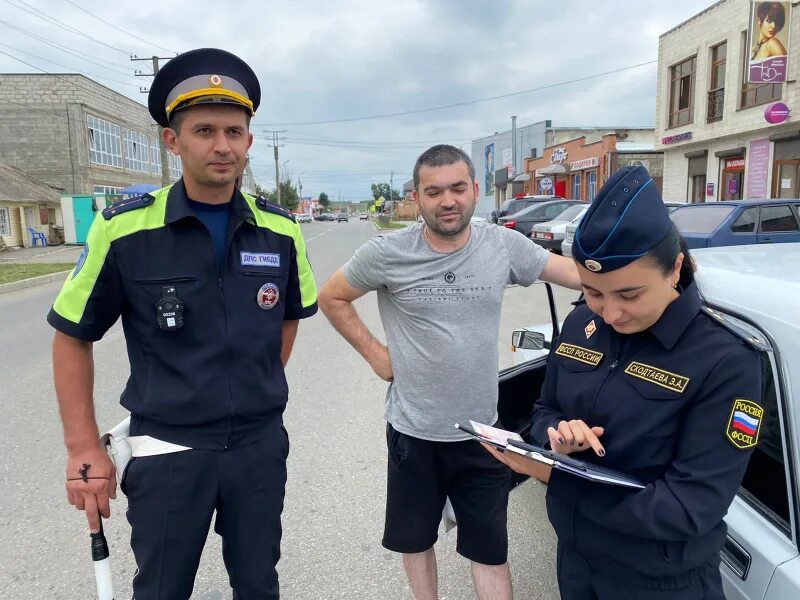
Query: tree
(289, 196)
(324, 201)
(382, 189)
(261, 191)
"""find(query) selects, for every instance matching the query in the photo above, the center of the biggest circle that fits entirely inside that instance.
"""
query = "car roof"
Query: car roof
(741, 202)
(539, 205)
(758, 282)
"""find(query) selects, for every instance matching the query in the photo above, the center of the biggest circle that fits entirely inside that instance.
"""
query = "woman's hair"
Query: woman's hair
(773, 10)
(666, 251)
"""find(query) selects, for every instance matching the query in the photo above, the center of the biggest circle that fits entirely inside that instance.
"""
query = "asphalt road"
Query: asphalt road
(335, 497)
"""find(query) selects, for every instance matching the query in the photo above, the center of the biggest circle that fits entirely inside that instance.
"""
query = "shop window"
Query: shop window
(681, 103)
(5, 222)
(775, 219)
(44, 217)
(716, 94)
(576, 186)
(591, 185)
(746, 223)
(754, 94)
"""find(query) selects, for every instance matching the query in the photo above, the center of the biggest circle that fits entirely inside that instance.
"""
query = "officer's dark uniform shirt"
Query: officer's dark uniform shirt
(215, 381)
(665, 398)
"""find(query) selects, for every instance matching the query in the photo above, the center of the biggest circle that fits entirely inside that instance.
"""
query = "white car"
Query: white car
(753, 290)
(569, 235)
(551, 234)
(303, 218)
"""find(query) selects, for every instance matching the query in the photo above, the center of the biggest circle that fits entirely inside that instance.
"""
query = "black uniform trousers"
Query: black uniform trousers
(171, 499)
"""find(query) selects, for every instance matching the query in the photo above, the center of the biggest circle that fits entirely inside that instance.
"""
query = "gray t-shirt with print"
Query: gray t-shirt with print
(441, 314)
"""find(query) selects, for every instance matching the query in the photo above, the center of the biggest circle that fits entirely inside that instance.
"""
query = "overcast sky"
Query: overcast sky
(340, 61)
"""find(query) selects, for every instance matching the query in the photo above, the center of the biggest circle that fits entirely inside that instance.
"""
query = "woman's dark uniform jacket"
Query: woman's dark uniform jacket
(672, 400)
(215, 382)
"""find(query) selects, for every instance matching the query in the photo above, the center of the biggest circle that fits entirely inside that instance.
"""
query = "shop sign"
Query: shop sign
(733, 186)
(734, 164)
(777, 113)
(546, 184)
(758, 168)
(586, 163)
(710, 190)
(559, 155)
(677, 139)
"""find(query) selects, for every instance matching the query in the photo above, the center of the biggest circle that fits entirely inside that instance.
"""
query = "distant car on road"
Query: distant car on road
(524, 220)
(514, 205)
(363, 216)
(342, 217)
(303, 218)
(550, 234)
(739, 222)
(325, 217)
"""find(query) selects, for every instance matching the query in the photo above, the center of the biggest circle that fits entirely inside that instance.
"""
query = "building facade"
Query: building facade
(724, 138)
(577, 168)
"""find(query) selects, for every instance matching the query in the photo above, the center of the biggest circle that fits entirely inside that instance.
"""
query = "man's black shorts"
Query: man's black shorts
(422, 474)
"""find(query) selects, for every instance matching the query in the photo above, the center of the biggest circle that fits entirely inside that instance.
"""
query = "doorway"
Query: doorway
(786, 179)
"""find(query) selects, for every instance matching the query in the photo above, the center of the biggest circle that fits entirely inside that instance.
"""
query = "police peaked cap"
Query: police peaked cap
(625, 221)
(202, 76)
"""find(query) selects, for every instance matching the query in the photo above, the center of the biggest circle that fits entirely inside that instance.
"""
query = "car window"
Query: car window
(700, 220)
(778, 218)
(746, 223)
(570, 212)
(552, 211)
(764, 484)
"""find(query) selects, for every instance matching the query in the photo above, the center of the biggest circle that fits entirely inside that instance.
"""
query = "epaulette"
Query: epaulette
(276, 209)
(121, 207)
(740, 333)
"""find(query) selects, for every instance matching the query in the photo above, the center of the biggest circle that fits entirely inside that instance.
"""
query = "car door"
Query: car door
(778, 224)
(761, 520)
(743, 230)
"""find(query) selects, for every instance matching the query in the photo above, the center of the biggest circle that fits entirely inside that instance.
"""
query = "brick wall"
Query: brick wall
(43, 130)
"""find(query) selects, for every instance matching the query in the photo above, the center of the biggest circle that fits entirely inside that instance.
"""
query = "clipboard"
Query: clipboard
(512, 442)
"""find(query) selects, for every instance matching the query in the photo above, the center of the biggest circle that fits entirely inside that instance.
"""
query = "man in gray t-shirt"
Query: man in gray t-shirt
(440, 287)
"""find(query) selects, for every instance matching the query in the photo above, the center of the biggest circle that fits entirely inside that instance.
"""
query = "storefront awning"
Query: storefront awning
(554, 169)
(731, 152)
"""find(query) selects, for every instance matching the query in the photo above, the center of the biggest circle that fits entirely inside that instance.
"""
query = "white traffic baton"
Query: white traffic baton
(102, 565)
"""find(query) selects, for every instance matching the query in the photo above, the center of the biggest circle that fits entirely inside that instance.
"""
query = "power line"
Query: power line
(133, 35)
(52, 20)
(81, 55)
(467, 102)
(66, 67)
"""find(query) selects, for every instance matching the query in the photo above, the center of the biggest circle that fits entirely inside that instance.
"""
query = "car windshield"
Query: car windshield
(570, 213)
(697, 219)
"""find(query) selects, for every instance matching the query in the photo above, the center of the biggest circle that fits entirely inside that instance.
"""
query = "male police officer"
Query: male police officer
(210, 284)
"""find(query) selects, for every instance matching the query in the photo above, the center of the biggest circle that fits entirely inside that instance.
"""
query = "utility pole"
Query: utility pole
(391, 191)
(276, 139)
(161, 147)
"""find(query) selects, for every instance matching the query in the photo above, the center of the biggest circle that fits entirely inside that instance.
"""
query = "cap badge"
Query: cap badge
(267, 296)
(215, 81)
(590, 329)
(593, 265)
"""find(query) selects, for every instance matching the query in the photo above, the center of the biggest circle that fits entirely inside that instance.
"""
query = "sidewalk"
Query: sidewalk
(48, 254)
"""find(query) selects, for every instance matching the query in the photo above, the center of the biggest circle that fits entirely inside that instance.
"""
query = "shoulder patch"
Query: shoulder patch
(276, 209)
(722, 320)
(126, 205)
(744, 423)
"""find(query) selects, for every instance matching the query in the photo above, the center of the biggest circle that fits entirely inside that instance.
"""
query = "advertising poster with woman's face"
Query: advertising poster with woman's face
(770, 23)
(488, 170)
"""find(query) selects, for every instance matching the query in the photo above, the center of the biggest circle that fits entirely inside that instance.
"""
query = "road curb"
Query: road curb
(22, 284)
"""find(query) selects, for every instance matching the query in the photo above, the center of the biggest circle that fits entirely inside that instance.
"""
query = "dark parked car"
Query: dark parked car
(514, 205)
(738, 222)
(524, 220)
(325, 217)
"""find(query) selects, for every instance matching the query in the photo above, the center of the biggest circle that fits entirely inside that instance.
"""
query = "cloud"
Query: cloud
(338, 60)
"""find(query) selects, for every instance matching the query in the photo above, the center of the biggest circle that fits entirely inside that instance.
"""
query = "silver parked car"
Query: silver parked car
(550, 235)
(755, 290)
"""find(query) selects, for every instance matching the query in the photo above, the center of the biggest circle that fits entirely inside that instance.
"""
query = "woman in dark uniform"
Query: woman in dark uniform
(644, 381)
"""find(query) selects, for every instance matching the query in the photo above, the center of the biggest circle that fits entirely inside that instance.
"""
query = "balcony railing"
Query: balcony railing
(716, 105)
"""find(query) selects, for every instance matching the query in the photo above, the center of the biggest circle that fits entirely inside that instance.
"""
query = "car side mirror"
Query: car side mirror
(527, 340)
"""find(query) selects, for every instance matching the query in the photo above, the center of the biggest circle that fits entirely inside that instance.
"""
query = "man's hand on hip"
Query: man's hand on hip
(91, 482)
(382, 364)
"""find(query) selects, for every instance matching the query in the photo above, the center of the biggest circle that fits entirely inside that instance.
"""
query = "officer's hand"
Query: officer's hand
(520, 464)
(382, 364)
(575, 436)
(91, 496)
